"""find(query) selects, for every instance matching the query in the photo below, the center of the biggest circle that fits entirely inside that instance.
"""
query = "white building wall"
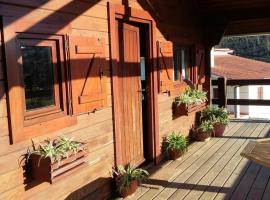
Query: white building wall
(259, 111)
(244, 94)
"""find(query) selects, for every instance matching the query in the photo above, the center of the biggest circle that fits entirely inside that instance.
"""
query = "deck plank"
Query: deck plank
(259, 185)
(237, 176)
(245, 183)
(190, 168)
(227, 171)
(191, 158)
(215, 169)
(266, 194)
(242, 188)
(210, 170)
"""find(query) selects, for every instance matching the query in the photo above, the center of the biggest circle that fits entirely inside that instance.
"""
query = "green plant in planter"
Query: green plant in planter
(125, 176)
(68, 144)
(176, 142)
(57, 149)
(191, 96)
(206, 126)
(216, 114)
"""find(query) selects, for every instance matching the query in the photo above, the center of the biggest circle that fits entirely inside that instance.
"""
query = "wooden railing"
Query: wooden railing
(222, 84)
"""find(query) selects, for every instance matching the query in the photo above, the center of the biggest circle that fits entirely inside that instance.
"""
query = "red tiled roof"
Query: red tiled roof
(235, 67)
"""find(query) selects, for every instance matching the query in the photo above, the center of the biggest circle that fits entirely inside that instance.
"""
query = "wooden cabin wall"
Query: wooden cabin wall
(96, 128)
(179, 24)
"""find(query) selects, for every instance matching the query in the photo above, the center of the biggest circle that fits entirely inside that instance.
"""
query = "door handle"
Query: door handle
(142, 90)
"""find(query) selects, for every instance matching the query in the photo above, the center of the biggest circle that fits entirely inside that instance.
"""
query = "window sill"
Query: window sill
(43, 128)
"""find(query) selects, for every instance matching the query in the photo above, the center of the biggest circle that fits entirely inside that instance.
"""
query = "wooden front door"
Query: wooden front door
(130, 96)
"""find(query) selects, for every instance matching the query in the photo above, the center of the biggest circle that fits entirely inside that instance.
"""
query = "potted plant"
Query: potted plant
(219, 117)
(204, 130)
(127, 179)
(175, 145)
(191, 100)
(52, 160)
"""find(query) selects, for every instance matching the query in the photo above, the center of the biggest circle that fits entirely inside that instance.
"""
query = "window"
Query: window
(37, 80)
(38, 77)
(181, 66)
(41, 82)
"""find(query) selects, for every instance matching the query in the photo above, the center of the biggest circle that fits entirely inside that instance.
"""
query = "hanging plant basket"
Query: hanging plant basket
(47, 170)
(182, 109)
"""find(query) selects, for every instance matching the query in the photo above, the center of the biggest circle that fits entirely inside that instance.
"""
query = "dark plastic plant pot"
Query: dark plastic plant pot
(218, 130)
(130, 189)
(203, 136)
(175, 153)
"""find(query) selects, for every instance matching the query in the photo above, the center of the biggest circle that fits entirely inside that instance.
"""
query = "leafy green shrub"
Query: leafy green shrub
(175, 142)
(125, 176)
(57, 149)
(216, 114)
(206, 126)
(191, 96)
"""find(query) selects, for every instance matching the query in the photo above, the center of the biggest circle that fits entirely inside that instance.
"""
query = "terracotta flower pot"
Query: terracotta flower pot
(130, 189)
(174, 154)
(203, 136)
(218, 130)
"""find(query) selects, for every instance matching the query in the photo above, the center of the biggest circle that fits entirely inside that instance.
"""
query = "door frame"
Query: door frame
(140, 16)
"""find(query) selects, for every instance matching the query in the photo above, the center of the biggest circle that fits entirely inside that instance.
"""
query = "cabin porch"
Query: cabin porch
(213, 170)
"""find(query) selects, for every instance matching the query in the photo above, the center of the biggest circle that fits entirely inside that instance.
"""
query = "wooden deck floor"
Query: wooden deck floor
(213, 170)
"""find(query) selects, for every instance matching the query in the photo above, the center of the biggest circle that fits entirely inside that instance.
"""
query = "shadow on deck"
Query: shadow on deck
(213, 170)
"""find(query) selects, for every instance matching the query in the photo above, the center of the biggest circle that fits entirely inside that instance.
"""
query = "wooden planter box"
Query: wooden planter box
(44, 170)
(182, 109)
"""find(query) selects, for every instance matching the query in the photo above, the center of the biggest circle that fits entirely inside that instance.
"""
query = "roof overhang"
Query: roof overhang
(234, 17)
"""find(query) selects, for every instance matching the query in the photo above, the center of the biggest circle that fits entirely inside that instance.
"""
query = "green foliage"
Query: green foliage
(57, 149)
(191, 96)
(206, 126)
(176, 142)
(216, 115)
(252, 46)
(68, 144)
(124, 176)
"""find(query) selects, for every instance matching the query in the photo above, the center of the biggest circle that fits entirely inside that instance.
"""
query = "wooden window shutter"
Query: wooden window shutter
(88, 83)
(200, 63)
(165, 63)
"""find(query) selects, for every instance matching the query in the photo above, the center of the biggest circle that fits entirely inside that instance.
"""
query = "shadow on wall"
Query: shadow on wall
(48, 26)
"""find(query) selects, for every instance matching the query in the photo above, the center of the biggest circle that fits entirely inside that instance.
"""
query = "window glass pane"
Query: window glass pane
(142, 68)
(175, 65)
(185, 63)
(38, 76)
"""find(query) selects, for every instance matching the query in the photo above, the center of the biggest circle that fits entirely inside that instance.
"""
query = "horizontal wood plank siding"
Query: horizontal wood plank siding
(80, 18)
(168, 123)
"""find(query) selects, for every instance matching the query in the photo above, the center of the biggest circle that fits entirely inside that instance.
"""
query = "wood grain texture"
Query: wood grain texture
(88, 79)
(222, 174)
(87, 18)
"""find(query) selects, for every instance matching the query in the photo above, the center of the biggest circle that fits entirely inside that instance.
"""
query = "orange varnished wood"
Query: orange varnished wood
(129, 84)
(165, 66)
(88, 81)
(89, 18)
(139, 16)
